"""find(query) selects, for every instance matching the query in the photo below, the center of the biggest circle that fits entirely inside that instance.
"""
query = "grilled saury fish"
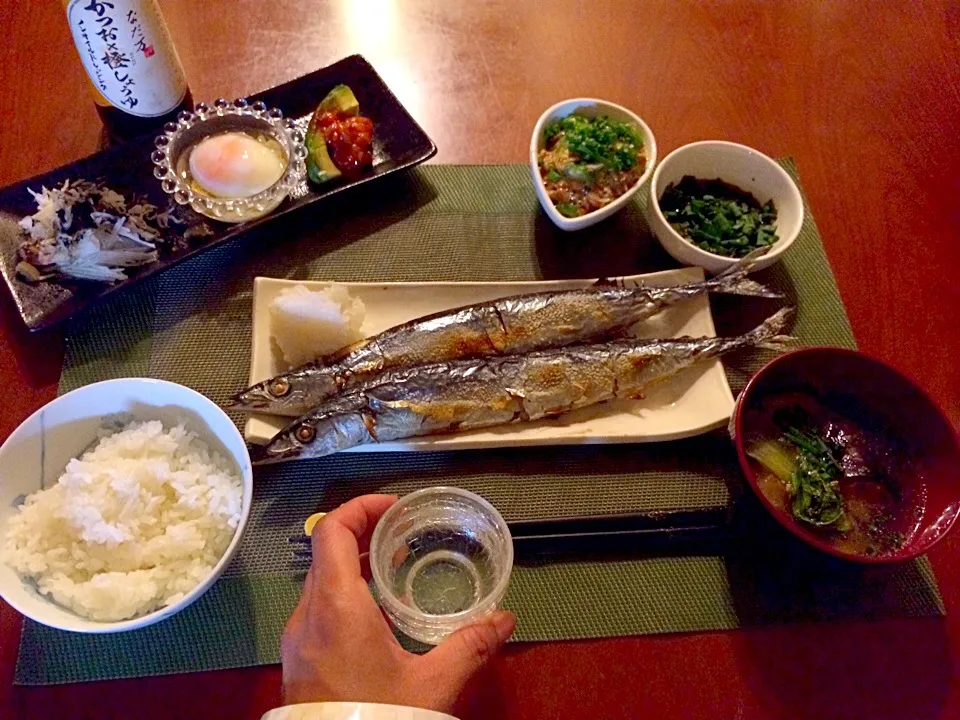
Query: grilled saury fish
(468, 394)
(509, 326)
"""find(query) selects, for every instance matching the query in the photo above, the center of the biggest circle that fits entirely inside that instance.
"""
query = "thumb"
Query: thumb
(454, 661)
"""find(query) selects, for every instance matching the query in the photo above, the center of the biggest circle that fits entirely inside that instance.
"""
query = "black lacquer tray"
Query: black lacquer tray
(399, 143)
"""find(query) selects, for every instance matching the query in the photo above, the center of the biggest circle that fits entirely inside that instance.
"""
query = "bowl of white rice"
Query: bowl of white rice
(121, 503)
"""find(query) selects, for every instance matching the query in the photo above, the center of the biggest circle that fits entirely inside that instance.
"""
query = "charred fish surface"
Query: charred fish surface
(508, 326)
(469, 394)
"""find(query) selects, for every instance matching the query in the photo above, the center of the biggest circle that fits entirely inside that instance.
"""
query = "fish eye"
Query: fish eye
(306, 433)
(279, 387)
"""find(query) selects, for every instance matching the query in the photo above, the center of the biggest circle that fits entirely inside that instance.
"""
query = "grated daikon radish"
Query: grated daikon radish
(308, 324)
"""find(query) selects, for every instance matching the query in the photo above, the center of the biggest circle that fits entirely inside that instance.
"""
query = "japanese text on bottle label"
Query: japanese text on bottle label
(128, 54)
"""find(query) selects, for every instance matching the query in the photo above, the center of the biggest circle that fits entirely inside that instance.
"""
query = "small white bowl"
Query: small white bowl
(739, 165)
(587, 107)
(37, 452)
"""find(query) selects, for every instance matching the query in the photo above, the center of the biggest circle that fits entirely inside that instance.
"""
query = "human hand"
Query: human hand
(337, 645)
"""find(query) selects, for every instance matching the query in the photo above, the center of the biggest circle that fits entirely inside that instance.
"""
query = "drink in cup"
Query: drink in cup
(441, 558)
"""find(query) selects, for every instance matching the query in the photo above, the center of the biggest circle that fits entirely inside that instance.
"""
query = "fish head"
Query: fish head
(289, 443)
(291, 394)
(341, 424)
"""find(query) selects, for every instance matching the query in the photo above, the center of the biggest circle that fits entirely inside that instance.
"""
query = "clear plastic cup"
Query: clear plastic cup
(441, 558)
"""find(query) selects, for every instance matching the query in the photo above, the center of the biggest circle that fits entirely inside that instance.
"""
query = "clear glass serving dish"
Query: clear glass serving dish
(180, 137)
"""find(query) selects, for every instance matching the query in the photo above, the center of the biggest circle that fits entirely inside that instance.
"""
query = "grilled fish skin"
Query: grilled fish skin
(470, 394)
(509, 326)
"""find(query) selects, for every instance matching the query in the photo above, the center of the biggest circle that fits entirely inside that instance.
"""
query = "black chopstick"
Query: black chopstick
(653, 532)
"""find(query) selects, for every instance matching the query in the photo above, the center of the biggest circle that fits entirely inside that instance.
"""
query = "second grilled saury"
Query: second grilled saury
(509, 326)
(470, 394)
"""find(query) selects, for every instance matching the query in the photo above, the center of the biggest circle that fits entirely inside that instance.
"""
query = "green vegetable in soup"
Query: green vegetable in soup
(719, 217)
(815, 496)
(811, 473)
(775, 457)
(568, 210)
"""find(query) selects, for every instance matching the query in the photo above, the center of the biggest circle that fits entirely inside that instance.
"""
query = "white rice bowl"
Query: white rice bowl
(133, 525)
(38, 453)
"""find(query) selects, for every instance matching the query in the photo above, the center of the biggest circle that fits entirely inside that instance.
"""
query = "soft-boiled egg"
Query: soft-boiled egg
(236, 165)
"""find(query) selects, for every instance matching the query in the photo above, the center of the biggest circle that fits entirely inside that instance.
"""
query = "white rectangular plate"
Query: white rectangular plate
(694, 402)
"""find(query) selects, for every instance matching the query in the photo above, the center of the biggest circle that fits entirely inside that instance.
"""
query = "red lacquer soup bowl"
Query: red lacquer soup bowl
(928, 478)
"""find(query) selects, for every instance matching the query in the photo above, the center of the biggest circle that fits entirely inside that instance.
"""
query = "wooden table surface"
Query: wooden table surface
(866, 97)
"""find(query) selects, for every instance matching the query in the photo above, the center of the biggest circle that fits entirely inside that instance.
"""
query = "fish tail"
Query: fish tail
(734, 280)
(769, 334)
(742, 285)
(746, 263)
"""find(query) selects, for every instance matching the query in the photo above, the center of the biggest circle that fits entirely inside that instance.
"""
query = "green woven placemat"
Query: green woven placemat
(192, 325)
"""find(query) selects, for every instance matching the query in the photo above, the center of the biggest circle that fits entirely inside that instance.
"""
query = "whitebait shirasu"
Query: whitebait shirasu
(85, 230)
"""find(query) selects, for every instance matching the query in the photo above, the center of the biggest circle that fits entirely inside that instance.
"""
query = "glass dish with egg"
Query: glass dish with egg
(232, 161)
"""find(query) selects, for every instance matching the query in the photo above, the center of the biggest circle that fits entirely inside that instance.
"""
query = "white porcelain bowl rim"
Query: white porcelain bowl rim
(778, 248)
(650, 146)
(244, 468)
